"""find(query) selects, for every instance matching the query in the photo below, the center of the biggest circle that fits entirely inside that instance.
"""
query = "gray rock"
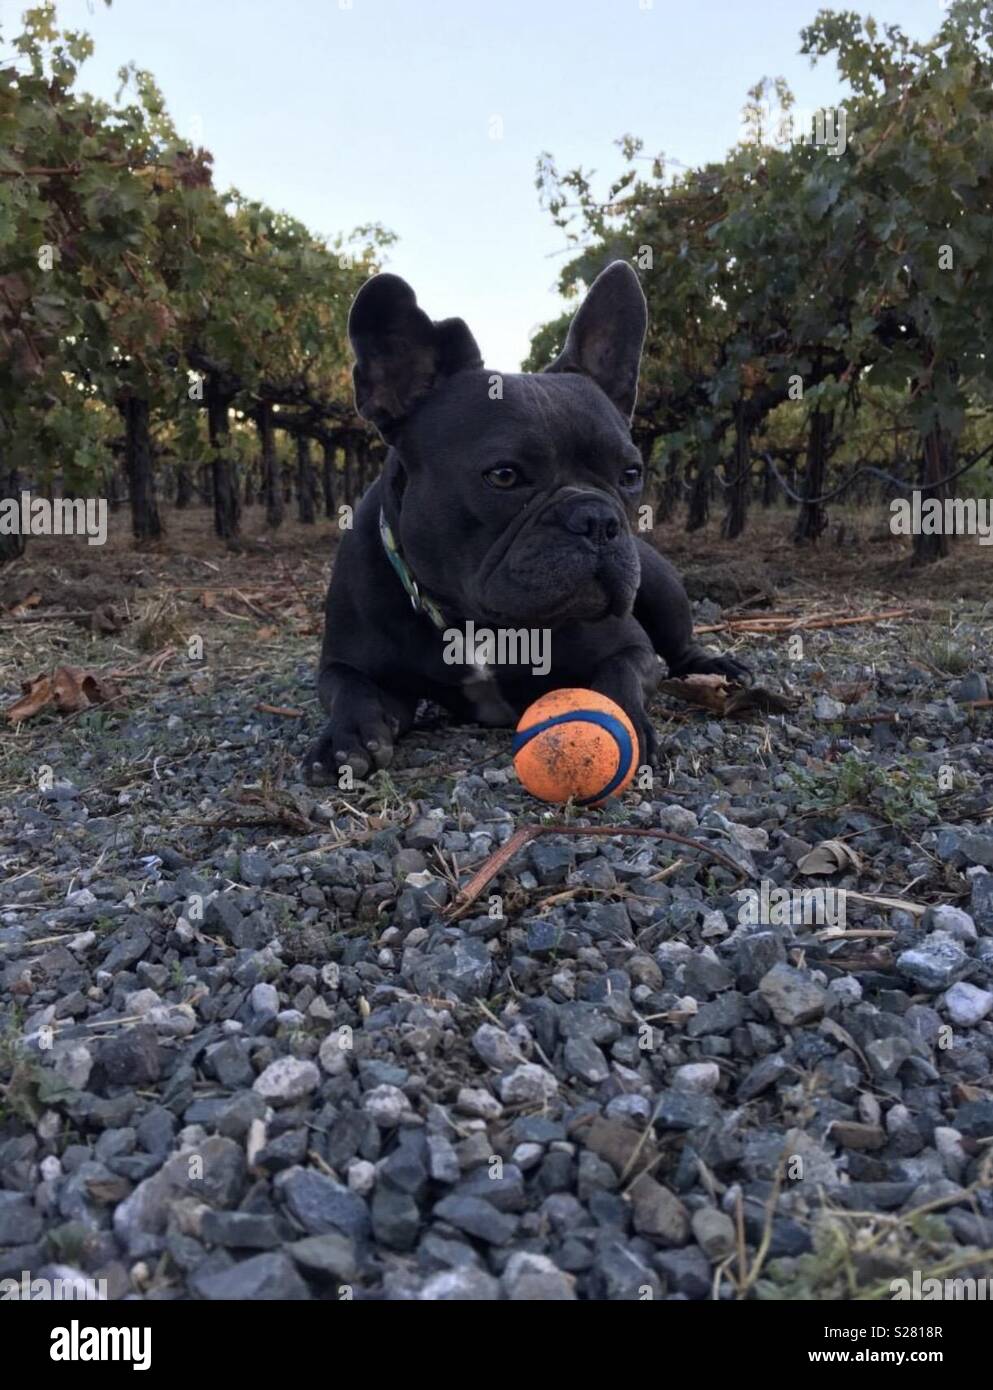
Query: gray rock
(20, 1220)
(887, 1055)
(658, 1213)
(443, 1163)
(240, 1230)
(464, 969)
(331, 1255)
(387, 1105)
(223, 917)
(320, 1204)
(967, 1005)
(763, 1075)
(719, 1016)
(268, 1278)
(463, 1285)
(951, 920)
(426, 832)
(703, 977)
(254, 868)
(934, 964)
(828, 709)
(128, 945)
(533, 1278)
(981, 900)
(686, 1271)
(132, 1057)
(213, 1173)
(971, 687)
(686, 1110)
(584, 1059)
(702, 1078)
(395, 1218)
(528, 1084)
(551, 862)
(978, 849)
(73, 1063)
(477, 1218)
(792, 996)
(755, 956)
(622, 1274)
(264, 999)
(495, 1047)
(286, 1080)
(229, 1062)
(975, 1118)
(714, 1232)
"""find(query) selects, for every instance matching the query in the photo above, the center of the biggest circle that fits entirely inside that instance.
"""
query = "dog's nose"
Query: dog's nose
(592, 517)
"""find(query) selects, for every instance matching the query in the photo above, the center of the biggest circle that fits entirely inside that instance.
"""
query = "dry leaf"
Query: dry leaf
(710, 692)
(851, 694)
(715, 693)
(37, 694)
(756, 698)
(20, 610)
(829, 857)
(68, 689)
(106, 619)
(918, 909)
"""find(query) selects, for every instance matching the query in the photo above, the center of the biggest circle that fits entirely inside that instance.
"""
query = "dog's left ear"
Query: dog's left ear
(606, 336)
(400, 354)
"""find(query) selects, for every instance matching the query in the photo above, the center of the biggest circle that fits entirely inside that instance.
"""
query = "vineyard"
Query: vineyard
(818, 315)
(159, 340)
(819, 319)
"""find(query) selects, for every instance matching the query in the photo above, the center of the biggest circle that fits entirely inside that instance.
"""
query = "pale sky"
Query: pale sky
(385, 111)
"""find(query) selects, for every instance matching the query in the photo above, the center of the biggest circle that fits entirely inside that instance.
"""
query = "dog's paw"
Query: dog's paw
(648, 742)
(362, 742)
(707, 665)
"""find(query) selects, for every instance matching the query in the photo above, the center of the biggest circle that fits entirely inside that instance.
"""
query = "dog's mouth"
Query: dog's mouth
(550, 591)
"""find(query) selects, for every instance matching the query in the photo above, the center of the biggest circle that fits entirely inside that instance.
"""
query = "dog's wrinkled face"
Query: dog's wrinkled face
(511, 493)
(516, 509)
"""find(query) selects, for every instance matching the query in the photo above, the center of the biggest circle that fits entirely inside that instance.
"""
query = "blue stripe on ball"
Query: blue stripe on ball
(587, 716)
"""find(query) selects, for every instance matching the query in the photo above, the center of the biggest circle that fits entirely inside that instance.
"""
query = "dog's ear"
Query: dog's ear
(606, 336)
(400, 355)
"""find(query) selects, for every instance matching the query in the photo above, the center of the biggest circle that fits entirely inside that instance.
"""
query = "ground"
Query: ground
(248, 1050)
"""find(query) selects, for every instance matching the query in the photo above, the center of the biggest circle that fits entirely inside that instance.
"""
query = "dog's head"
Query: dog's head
(512, 491)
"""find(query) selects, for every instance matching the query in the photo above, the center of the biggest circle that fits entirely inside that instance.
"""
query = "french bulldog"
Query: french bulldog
(506, 501)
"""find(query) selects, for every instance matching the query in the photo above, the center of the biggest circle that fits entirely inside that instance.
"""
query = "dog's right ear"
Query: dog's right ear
(400, 354)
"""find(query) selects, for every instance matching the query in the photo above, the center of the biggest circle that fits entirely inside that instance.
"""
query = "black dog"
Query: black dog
(504, 500)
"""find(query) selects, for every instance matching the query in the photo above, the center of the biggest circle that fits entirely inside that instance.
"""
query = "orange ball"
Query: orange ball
(575, 743)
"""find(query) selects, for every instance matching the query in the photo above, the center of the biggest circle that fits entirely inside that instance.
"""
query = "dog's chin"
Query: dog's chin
(589, 603)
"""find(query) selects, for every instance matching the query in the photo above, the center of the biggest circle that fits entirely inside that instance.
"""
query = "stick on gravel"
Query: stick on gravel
(522, 836)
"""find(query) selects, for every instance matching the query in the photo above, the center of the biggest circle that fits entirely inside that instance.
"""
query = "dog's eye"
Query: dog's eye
(503, 476)
(632, 475)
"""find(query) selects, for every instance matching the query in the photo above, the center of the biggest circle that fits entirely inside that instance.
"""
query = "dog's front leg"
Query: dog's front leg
(629, 678)
(663, 610)
(364, 722)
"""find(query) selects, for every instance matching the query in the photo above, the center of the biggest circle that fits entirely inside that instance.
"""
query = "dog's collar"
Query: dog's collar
(418, 601)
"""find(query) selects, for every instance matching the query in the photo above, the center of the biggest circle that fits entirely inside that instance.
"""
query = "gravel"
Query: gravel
(256, 1060)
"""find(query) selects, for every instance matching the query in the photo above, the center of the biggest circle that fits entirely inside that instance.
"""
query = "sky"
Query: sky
(428, 115)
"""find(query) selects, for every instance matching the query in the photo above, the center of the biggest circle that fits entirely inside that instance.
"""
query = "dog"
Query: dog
(505, 501)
